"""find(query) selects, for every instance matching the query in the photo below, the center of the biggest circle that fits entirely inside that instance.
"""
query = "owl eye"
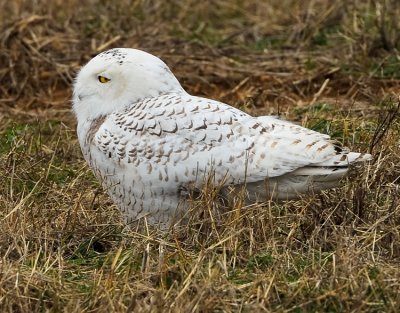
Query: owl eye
(103, 79)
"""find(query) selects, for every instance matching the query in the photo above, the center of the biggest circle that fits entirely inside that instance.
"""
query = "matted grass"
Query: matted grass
(328, 65)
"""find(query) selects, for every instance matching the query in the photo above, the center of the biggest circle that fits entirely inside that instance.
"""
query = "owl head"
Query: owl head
(118, 78)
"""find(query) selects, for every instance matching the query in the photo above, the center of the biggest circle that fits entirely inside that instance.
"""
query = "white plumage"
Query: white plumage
(148, 141)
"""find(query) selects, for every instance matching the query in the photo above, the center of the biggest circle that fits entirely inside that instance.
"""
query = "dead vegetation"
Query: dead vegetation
(333, 66)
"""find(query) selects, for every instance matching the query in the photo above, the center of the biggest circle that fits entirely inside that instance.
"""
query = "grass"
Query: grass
(330, 66)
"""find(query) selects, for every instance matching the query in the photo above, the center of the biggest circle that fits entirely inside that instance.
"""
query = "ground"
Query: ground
(333, 66)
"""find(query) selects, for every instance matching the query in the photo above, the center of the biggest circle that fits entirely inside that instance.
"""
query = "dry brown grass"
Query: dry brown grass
(331, 65)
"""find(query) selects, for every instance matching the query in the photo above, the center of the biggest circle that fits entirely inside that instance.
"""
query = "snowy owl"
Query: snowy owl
(147, 140)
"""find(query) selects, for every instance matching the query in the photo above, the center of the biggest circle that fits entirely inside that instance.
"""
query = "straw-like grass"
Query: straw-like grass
(333, 66)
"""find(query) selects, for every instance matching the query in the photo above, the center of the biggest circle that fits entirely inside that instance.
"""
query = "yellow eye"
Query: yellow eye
(103, 79)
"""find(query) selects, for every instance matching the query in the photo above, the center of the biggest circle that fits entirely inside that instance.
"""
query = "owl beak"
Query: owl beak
(83, 96)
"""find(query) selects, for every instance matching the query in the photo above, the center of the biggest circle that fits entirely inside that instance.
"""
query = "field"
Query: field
(333, 66)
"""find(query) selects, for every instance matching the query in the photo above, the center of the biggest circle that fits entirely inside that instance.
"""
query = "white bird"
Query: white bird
(147, 140)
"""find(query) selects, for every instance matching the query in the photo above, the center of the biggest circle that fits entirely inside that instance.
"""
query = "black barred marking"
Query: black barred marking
(230, 122)
(204, 126)
(323, 147)
(173, 130)
(114, 54)
(311, 144)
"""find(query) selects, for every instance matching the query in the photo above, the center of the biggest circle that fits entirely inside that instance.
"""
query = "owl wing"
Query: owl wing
(178, 139)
